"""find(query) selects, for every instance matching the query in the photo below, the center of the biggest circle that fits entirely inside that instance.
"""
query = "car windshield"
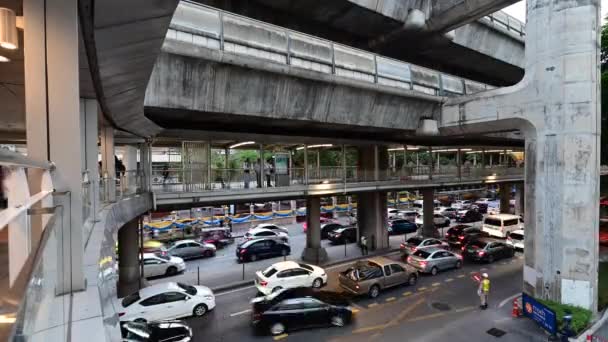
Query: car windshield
(414, 241)
(162, 256)
(191, 290)
(455, 230)
(422, 254)
(306, 267)
(516, 236)
(270, 271)
(130, 299)
(492, 222)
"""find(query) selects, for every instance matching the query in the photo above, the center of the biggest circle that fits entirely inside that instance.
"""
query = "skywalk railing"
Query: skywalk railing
(30, 250)
(203, 179)
(507, 22)
(208, 27)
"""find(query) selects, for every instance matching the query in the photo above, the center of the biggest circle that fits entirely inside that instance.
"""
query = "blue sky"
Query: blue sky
(518, 10)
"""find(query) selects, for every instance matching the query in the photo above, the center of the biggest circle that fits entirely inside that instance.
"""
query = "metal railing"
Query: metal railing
(195, 180)
(507, 22)
(208, 27)
(126, 183)
(31, 271)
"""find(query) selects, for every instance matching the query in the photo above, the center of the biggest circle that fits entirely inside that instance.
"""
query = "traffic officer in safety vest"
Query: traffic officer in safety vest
(484, 290)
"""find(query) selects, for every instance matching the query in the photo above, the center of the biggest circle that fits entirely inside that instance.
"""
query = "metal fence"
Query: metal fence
(171, 180)
(215, 29)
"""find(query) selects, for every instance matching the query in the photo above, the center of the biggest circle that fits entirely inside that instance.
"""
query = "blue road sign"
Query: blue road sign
(539, 313)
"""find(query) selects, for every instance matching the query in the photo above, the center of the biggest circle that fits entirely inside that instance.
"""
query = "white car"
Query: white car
(263, 233)
(164, 301)
(516, 239)
(392, 213)
(409, 215)
(157, 264)
(273, 227)
(288, 274)
(438, 220)
(461, 204)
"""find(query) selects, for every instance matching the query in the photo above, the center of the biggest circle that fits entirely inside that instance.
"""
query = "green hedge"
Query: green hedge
(603, 286)
(580, 317)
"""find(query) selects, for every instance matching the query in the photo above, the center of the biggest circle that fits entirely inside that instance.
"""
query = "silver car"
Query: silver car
(188, 249)
(433, 260)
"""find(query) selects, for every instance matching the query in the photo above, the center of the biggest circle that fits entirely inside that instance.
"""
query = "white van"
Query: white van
(501, 225)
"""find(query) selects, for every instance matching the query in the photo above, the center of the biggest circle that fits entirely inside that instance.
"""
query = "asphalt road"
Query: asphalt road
(439, 308)
(224, 269)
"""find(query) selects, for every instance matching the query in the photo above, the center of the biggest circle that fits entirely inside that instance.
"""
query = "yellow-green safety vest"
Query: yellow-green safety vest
(485, 285)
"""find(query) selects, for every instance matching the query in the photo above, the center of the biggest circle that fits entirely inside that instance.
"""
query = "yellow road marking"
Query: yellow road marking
(372, 305)
(280, 337)
(405, 294)
(421, 288)
(393, 322)
(460, 276)
(420, 318)
(390, 299)
(436, 284)
(449, 280)
(466, 308)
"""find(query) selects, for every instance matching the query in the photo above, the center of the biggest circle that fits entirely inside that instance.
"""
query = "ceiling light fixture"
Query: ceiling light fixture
(242, 144)
(8, 29)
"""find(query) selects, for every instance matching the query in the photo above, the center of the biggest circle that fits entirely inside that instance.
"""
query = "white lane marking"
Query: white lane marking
(506, 300)
(240, 313)
(449, 280)
(233, 291)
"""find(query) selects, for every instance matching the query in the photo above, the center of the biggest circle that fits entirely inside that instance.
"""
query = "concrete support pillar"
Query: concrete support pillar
(505, 197)
(52, 103)
(90, 131)
(519, 199)
(145, 165)
(313, 252)
(128, 255)
(334, 203)
(372, 219)
(129, 159)
(459, 163)
(428, 210)
(108, 167)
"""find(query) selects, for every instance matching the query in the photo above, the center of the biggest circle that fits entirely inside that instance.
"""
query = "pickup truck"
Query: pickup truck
(376, 274)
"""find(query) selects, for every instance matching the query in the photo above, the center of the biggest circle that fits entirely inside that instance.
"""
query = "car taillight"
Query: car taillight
(243, 251)
(402, 246)
(447, 234)
(423, 263)
(409, 259)
(481, 253)
(414, 249)
(462, 248)
(357, 287)
(263, 283)
(120, 314)
(256, 316)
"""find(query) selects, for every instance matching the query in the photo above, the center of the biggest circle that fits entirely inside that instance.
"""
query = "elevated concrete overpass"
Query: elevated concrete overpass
(219, 71)
(486, 49)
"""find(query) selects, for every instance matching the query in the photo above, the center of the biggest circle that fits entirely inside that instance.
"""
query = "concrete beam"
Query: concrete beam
(447, 15)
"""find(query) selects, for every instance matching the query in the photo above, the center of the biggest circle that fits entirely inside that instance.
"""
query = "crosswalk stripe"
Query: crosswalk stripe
(436, 284)
(449, 280)
(405, 294)
(390, 299)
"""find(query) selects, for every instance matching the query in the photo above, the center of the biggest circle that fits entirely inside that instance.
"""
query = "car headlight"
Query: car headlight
(208, 297)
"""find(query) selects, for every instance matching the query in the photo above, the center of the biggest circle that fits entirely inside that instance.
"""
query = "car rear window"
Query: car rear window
(422, 254)
(512, 222)
(479, 243)
(414, 241)
(270, 271)
(191, 290)
(130, 299)
(306, 267)
(455, 230)
(492, 222)
(516, 236)
(162, 256)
